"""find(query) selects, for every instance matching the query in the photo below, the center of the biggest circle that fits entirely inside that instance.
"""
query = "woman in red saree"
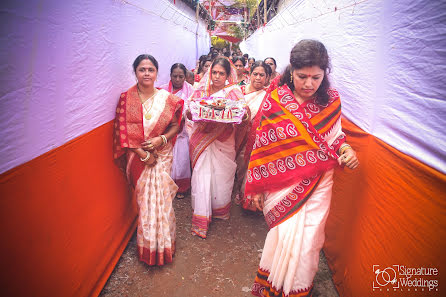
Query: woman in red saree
(272, 63)
(213, 148)
(202, 69)
(254, 93)
(239, 63)
(147, 121)
(298, 142)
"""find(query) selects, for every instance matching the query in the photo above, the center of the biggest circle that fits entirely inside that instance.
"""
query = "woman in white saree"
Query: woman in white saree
(213, 149)
(254, 93)
(181, 171)
(298, 142)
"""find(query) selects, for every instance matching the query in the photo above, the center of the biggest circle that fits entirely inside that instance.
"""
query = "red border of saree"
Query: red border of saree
(262, 287)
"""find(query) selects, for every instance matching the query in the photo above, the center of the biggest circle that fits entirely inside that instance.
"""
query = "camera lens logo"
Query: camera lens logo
(384, 277)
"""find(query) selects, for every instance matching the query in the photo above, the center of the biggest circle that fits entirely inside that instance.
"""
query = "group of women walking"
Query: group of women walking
(278, 160)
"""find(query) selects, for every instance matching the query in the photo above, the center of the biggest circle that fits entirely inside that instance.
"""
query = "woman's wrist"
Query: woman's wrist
(344, 147)
(147, 157)
(164, 138)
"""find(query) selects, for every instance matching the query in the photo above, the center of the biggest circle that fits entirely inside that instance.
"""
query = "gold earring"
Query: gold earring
(291, 78)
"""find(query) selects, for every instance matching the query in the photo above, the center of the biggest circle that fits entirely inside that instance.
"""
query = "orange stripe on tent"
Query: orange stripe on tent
(390, 211)
(66, 217)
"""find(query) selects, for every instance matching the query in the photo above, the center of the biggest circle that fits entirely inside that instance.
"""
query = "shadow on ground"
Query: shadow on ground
(224, 264)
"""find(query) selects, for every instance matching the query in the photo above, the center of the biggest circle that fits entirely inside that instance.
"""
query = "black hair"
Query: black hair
(224, 63)
(227, 54)
(252, 58)
(214, 55)
(265, 66)
(144, 57)
(308, 53)
(178, 65)
(200, 67)
(275, 64)
(239, 58)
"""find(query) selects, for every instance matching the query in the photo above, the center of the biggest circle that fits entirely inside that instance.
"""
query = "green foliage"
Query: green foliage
(218, 42)
(237, 31)
(251, 4)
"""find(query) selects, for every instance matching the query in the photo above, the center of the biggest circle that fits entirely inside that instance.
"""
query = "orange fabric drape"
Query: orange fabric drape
(66, 216)
(390, 211)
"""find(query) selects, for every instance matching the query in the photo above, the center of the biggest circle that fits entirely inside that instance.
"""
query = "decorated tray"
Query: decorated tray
(217, 109)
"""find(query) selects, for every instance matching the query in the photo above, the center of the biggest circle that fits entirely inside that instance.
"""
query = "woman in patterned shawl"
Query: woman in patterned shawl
(298, 142)
(147, 121)
(213, 148)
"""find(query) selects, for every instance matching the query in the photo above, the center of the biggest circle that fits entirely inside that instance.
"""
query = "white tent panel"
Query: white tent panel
(388, 62)
(63, 64)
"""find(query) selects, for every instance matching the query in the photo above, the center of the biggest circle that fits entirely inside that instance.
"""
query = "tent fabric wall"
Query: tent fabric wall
(388, 65)
(391, 211)
(65, 219)
(383, 55)
(66, 214)
(64, 64)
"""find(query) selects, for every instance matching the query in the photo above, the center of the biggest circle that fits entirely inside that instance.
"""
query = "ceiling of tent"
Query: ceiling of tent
(234, 20)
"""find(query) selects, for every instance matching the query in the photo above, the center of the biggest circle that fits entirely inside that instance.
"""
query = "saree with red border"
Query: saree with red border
(290, 151)
(153, 187)
(210, 143)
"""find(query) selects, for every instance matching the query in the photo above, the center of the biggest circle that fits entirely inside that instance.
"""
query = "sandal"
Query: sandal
(180, 196)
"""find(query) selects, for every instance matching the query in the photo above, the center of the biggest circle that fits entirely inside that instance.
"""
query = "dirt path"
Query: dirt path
(224, 264)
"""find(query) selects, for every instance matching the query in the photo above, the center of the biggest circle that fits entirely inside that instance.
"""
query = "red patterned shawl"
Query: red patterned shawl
(129, 130)
(289, 143)
(289, 147)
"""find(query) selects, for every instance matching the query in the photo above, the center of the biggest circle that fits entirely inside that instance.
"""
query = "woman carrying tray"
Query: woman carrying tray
(213, 149)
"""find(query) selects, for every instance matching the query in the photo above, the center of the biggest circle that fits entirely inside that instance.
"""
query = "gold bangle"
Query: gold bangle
(344, 147)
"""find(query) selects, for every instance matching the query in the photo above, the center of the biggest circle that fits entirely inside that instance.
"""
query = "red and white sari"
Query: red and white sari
(181, 171)
(213, 148)
(254, 101)
(292, 163)
(154, 188)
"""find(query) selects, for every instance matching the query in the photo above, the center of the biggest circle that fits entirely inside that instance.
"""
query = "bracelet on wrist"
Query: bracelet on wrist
(146, 158)
(344, 147)
(164, 138)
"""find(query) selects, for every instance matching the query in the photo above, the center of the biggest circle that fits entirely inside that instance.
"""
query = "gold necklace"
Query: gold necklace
(147, 114)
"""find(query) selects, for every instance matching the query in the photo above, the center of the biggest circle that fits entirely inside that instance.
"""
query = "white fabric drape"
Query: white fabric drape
(388, 64)
(64, 64)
